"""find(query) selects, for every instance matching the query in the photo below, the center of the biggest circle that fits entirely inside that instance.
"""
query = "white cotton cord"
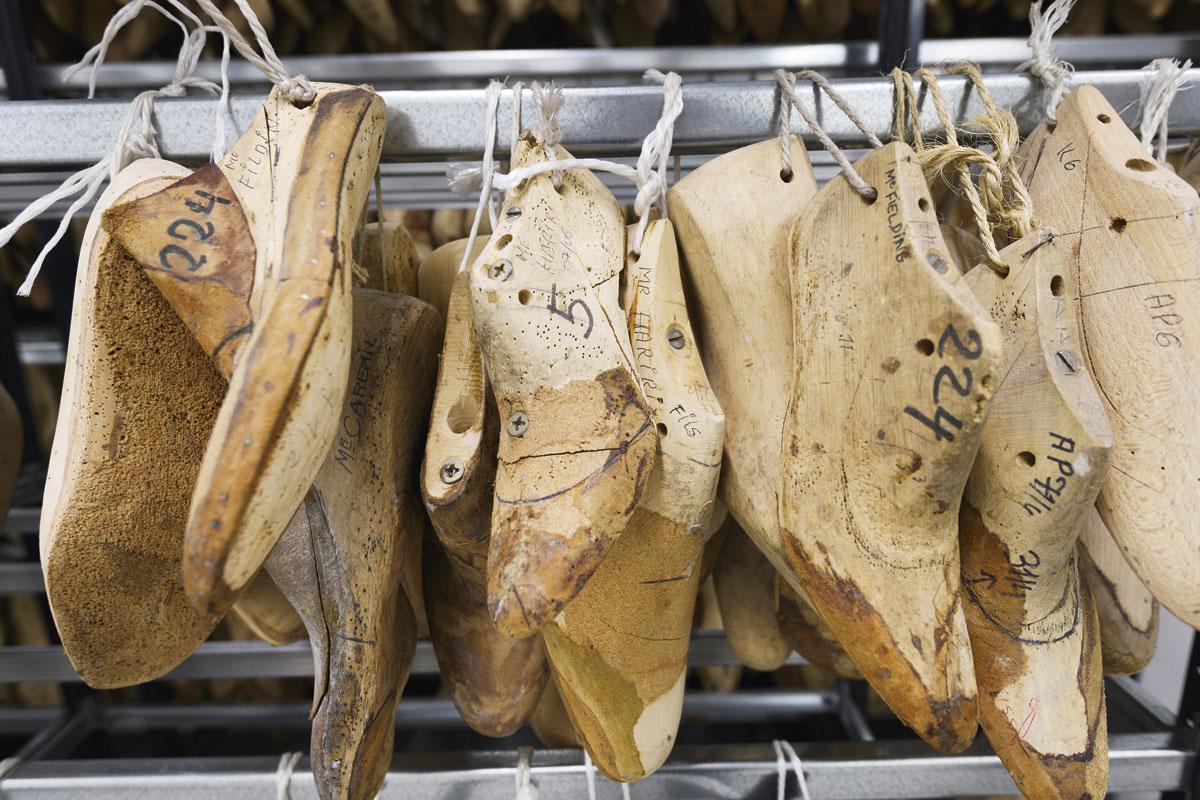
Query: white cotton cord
(526, 788)
(283, 775)
(1054, 73)
(797, 767)
(780, 772)
(296, 87)
(515, 131)
(589, 771)
(548, 100)
(7, 765)
(95, 55)
(786, 82)
(651, 171)
(487, 169)
(135, 139)
(1157, 96)
(842, 103)
(625, 791)
(787, 90)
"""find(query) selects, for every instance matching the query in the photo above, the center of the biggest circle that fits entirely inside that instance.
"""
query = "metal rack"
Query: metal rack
(605, 114)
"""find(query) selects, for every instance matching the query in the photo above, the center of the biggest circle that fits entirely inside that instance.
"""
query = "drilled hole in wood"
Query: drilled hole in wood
(462, 415)
(1056, 286)
(1026, 458)
(1119, 224)
(1105, 118)
(785, 175)
(1140, 165)
(524, 296)
(923, 204)
(925, 347)
(662, 429)
(503, 241)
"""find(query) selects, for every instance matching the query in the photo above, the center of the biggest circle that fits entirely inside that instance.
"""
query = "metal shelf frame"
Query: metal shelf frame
(435, 111)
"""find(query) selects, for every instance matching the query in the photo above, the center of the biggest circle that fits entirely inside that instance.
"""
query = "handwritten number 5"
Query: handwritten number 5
(569, 314)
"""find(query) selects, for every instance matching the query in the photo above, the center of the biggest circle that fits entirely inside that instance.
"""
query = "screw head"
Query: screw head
(1067, 361)
(675, 337)
(452, 471)
(518, 423)
(501, 270)
(515, 211)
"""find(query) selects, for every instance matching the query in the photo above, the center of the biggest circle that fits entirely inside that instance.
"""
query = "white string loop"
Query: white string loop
(589, 771)
(1157, 96)
(787, 96)
(651, 182)
(486, 172)
(283, 775)
(136, 138)
(548, 100)
(7, 765)
(624, 791)
(526, 788)
(651, 172)
(296, 87)
(1054, 73)
(783, 748)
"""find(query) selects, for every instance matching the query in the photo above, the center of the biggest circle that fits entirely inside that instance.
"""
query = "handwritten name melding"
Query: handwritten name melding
(895, 223)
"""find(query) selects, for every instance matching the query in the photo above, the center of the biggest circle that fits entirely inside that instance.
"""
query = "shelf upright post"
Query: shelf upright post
(901, 28)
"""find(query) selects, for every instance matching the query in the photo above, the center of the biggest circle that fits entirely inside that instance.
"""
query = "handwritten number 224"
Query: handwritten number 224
(946, 376)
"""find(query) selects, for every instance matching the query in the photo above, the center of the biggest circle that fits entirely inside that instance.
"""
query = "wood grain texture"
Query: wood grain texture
(266, 612)
(389, 257)
(1042, 460)
(1134, 233)
(618, 651)
(732, 217)
(342, 555)
(1127, 612)
(806, 633)
(744, 581)
(139, 401)
(439, 271)
(708, 618)
(570, 474)
(302, 176)
(494, 680)
(877, 448)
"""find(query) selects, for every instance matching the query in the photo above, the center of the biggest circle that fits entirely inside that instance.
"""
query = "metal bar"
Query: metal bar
(22, 578)
(834, 771)
(851, 714)
(28, 720)
(1137, 704)
(20, 69)
(22, 520)
(597, 120)
(253, 659)
(425, 713)
(399, 70)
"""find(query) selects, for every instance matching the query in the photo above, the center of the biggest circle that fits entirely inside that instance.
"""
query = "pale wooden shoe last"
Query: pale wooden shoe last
(139, 402)
(618, 651)
(877, 446)
(1135, 230)
(576, 442)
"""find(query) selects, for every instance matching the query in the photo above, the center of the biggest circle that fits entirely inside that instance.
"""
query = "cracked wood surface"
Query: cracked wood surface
(1042, 460)
(494, 680)
(139, 402)
(340, 560)
(732, 217)
(300, 177)
(1134, 234)
(618, 650)
(877, 448)
(576, 440)
(1127, 612)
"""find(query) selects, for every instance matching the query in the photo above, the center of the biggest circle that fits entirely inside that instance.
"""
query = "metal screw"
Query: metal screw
(452, 471)
(675, 338)
(501, 270)
(513, 212)
(1068, 361)
(518, 423)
